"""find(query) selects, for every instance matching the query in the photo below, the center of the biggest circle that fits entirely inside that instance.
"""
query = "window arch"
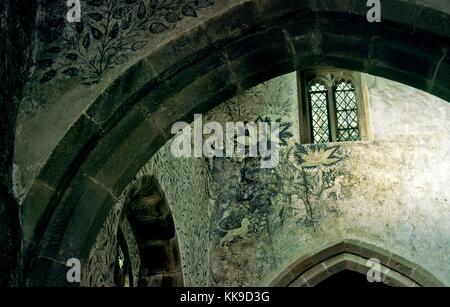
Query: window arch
(332, 107)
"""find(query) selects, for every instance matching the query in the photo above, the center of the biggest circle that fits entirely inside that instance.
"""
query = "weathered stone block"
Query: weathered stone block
(270, 71)
(300, 27)
(378, 68)
(316, 274)
(301, 265)
(206, 91)
(401, 59)
(273, 13)
(124, 88)
(271, 7)
(122, 148)
(355, 26)
(284, 279)
(354, 48)
(249, 64)
(33, 210)
(67, 151)
(91, 203)
(401, 12)
(335, 264)
(254, 42)
(230, 24)
(307, 44)
(184, 78)
(434, 21)
(342, 6)
(178, 52)
(442, 75)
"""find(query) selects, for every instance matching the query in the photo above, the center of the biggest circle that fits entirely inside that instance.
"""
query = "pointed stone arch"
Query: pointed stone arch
(353, 255)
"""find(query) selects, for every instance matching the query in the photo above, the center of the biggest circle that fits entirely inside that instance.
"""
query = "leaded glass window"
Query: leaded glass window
(333, 107)
(346, 112)
(318, 97)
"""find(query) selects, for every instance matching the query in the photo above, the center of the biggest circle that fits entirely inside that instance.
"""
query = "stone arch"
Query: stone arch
(311, 269)
(193, 72)
(140, 228)
(150, 217)
(351, 262)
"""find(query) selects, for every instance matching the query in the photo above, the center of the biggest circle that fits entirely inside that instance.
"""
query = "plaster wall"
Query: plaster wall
(393, 190)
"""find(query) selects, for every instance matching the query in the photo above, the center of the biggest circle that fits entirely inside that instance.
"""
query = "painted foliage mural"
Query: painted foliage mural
(110, 31)
(318, 182)
(251, 205)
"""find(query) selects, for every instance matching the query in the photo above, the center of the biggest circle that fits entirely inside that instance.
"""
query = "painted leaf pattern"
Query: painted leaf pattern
(108, 32)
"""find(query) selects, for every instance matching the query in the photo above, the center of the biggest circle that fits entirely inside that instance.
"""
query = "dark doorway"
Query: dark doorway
(150, 217)
(350, 279)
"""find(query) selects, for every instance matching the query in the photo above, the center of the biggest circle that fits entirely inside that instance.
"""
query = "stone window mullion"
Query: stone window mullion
(332, 118)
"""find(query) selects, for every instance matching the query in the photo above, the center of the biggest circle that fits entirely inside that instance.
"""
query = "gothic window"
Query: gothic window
(332, 107)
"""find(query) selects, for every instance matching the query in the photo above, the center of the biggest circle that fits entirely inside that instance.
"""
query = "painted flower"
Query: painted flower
(319, 156)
